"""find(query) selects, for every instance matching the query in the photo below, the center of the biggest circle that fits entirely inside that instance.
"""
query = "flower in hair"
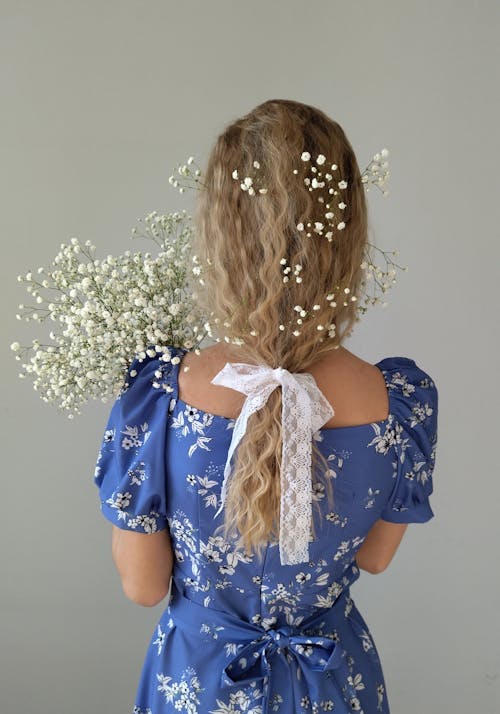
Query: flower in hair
(247, 183)
(329, 220)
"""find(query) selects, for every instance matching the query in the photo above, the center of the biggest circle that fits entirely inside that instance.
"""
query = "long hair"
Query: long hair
(242, 239)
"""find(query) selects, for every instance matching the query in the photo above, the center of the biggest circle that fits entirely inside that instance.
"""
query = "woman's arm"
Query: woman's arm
(144, 562)
(380, 545)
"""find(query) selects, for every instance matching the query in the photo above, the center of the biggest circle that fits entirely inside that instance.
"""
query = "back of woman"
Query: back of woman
(251, 481)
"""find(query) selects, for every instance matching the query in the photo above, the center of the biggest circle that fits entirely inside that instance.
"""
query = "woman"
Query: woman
(257, 565)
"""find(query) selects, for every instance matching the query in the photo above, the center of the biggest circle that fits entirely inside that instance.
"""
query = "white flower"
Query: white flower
(15, 347)
(256, 164)
(305, 156)
(235, 174)
(342, 184)
(300, 226)
(340, 225)
(321, 159)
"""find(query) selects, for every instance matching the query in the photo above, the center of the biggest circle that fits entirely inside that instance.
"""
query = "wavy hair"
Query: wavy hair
(241, 239)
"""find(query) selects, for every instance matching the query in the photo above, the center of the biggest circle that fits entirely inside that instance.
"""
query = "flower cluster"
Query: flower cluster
(375, 277)
(377, 172)
(107, 311)
(303, 313)
(192, 178)
(248, 182)
(315, 182)
(378, 278)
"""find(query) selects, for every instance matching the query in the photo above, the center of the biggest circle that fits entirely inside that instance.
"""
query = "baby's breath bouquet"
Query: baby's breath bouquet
(109, 311)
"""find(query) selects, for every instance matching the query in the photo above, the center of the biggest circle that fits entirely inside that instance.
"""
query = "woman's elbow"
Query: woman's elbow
(377, 568)
(147, 597)
(371, 566)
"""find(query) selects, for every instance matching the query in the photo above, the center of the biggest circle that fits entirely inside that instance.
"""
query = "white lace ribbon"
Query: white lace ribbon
(304, 410)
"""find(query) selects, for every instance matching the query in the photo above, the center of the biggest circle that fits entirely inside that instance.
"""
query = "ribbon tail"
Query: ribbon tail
(323, 410)
(296, 483)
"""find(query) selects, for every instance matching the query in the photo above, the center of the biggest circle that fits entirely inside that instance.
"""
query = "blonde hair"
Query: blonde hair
(242, 239)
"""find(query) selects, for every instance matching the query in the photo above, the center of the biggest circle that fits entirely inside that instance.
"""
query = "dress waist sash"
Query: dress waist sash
(253, 661)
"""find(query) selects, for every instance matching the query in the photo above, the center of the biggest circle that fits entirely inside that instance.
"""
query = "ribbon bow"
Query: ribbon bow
(304, 410)
(253, 661)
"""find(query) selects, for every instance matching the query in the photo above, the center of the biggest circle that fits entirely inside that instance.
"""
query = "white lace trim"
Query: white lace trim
(304, 410)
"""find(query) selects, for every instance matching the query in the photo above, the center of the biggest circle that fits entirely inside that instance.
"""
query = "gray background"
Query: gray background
(101, 100)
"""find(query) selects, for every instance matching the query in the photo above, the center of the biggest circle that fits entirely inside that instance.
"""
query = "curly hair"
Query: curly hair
(242, 239)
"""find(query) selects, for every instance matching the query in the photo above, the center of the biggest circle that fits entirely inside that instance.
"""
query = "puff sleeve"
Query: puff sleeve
(414, 407)
(130, 470)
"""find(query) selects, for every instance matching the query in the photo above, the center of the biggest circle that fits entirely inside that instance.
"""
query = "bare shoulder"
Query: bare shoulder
(194, 382)
(355, 388)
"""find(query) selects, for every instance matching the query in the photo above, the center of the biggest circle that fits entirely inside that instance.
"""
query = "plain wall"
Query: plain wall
(100, 101)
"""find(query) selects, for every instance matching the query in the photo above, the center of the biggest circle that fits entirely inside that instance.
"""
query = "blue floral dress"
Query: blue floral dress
(239, 634)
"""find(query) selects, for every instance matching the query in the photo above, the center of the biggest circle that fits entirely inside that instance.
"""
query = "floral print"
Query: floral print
(183, 693)
(240, 701)
(239, 633)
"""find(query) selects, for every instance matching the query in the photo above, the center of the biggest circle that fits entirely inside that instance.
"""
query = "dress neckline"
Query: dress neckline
(227, 420)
